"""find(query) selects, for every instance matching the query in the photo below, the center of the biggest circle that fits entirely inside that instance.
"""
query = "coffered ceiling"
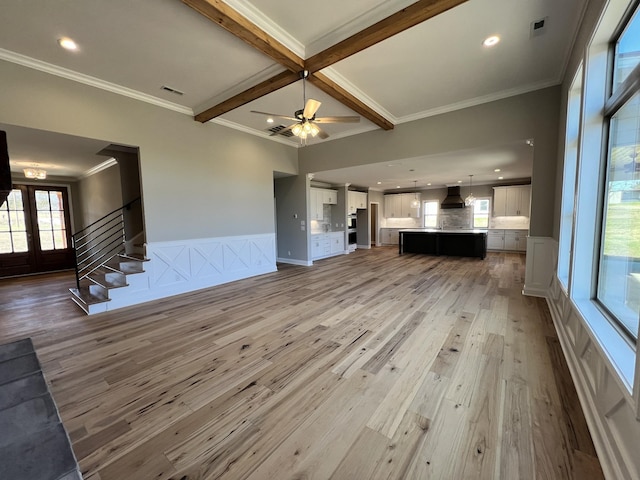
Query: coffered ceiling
(136, 47)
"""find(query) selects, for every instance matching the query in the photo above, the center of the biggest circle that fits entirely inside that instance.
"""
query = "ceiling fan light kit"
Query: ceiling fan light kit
(306, 125)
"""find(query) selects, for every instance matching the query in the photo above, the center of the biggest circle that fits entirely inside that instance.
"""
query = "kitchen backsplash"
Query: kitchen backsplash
(324, 225)
(518, 223)
(455, 217)
(401, 223)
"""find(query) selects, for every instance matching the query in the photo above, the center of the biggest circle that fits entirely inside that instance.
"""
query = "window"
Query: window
(481, 209)
(569, 179)
(618, 285)
(13, 229)
(51, 224)
(431, 213)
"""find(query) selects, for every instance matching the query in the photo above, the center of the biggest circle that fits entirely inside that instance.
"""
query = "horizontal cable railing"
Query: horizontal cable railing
(99, 242)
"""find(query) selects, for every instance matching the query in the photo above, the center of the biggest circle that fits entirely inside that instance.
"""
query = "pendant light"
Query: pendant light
(415, 203)
(470, 200)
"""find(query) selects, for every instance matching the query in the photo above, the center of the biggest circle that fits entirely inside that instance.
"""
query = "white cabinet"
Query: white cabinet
(390, 236)
(511, 240)
(318, 197)
(495, 240)
(392, 206)
(356, 200)
(515, 240)
(330, 197)
(400, 205)
(512, 201)
(337, 242)
(327, 244)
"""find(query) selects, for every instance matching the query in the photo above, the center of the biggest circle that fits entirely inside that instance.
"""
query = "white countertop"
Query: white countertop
(446, 230)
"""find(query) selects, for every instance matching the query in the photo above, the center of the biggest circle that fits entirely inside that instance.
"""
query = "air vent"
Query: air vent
(171, 90)
(538, 27)
(278, 128)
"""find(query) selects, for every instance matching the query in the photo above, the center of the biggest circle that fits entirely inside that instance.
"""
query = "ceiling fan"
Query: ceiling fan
(306, 122)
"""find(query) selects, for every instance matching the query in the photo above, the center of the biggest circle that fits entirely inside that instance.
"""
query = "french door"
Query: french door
(35, 232)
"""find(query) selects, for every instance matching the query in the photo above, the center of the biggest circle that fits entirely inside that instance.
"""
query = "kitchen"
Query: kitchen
(502, 211)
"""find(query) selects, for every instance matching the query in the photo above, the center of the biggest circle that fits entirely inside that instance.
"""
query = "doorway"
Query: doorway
(374, 224)
(35, 231)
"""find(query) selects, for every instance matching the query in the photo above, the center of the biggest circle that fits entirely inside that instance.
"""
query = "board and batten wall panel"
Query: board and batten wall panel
(198, 180)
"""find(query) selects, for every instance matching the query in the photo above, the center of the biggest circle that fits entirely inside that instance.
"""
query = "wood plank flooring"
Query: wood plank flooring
(364, 366)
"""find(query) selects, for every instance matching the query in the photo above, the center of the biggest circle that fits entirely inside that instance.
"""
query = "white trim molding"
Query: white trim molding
(293, 261)
(540, 265)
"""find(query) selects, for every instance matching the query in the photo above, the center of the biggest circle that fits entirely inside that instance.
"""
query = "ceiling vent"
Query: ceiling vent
(278, 128)
(171, 90)
(538, 27)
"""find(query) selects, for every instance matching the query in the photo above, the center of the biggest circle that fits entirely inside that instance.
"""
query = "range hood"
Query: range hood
(453, 200)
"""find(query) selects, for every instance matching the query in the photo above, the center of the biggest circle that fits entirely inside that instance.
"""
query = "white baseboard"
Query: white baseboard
(293, 261)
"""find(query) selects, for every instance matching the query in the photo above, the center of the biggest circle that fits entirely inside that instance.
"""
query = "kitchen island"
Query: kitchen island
(454, 242)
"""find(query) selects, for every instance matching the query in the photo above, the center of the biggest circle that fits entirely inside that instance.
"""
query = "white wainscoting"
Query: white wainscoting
(186, 265)
(540, 265)
(609, 408)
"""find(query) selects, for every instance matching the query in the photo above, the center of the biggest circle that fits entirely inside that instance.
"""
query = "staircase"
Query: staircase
(107, 269)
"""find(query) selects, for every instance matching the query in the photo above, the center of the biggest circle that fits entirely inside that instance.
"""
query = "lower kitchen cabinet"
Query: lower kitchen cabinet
(327, 244)
(510, 240)
(389, 236)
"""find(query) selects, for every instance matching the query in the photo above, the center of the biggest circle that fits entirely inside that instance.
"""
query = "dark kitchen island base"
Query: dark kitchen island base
(459, 243)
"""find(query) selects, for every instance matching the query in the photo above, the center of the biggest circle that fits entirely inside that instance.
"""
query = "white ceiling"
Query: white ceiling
(431, 68)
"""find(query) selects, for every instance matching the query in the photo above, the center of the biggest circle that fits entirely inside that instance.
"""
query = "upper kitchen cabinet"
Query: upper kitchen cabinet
(512, 201)
(400, 205)
(318, 197)
(356, 200)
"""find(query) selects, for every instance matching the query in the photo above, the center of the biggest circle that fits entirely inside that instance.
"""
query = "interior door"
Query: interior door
(35, 232)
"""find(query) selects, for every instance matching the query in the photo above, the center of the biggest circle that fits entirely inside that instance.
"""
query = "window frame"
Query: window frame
(473, 212)
(424, 213)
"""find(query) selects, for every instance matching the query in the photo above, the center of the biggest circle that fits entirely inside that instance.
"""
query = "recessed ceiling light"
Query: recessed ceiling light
(428, 184)
(379, 183)
(500, 178)
(459, 181)
(269, 120)
(67, 43)
(491, 41)
(497, 170)
(397, 186)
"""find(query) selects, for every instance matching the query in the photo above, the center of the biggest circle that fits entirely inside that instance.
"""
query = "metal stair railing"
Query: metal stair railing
(99, 242)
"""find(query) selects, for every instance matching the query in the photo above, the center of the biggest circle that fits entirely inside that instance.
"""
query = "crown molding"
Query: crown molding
(472, 102)
(336, 77)
(91, 81)
(255, 16)
(252, 131)
(383, 10)
(98, 168)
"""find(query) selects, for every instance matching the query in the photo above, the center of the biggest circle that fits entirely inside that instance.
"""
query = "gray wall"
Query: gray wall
(198, 180)
(532, 115)
(97, 195)
(291, 194)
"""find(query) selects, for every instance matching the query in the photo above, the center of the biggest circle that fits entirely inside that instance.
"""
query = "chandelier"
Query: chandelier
(37, 173)
(470, 200)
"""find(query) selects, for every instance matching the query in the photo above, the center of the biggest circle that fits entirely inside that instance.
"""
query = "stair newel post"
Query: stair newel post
(75, 258)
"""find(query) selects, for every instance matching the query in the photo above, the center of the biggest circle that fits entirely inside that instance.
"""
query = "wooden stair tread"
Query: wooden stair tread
(83, 294)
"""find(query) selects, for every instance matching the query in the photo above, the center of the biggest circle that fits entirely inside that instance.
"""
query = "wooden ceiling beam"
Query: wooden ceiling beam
(270, 85)
(336, 91)
(398, 22)
(219, 12)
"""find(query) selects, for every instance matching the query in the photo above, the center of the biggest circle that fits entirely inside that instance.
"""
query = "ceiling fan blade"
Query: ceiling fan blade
(353, 119)
(283, 130)
(322, 134)
(311, 108)
(275, 115)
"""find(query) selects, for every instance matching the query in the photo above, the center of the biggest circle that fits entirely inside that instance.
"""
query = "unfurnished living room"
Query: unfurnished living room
(333, 240)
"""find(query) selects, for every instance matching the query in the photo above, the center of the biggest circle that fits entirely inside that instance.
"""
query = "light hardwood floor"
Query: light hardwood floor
(365, 366)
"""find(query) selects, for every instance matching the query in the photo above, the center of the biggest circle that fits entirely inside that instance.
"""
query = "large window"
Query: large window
(618, 286)
(431, 213)
(569, 179)
(481, 209)
(13, 230)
